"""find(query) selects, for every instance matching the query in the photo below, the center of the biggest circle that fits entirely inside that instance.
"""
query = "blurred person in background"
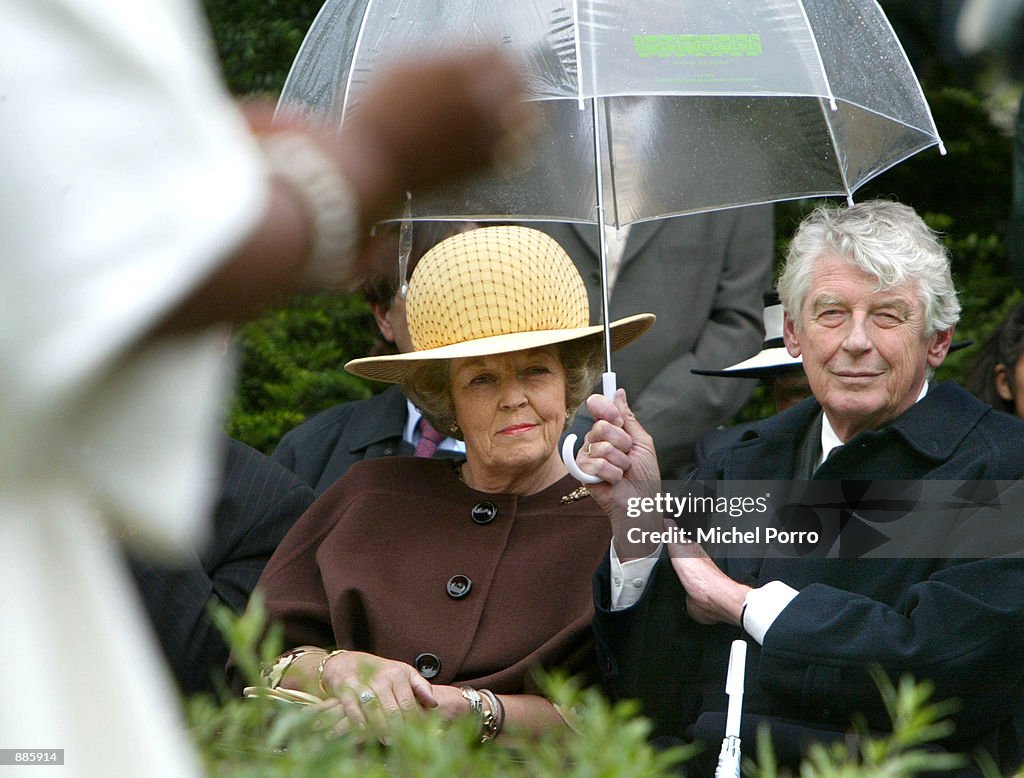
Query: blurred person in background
(997, 373)
(139, 206)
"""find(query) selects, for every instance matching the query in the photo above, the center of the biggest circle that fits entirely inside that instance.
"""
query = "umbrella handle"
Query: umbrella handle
(608, 386)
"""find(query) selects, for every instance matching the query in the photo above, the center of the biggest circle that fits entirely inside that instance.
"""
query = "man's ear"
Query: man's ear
(1001, 376)
(939, 346)
(789, 335)
(380, 315)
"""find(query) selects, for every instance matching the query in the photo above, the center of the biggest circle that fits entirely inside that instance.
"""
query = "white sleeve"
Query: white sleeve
(629, 579)
(128, 177)
(763, 605)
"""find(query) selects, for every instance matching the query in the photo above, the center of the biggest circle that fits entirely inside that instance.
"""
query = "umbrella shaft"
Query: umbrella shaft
(601, 239)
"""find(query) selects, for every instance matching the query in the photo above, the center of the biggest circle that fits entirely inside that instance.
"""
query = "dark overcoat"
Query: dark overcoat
(957, 623)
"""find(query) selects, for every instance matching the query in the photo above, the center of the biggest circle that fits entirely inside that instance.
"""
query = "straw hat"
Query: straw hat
(494, 290)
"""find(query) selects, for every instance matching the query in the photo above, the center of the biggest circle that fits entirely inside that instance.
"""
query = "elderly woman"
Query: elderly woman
(416, 583)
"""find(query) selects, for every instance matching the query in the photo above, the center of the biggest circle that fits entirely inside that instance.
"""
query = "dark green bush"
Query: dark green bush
(291, 365)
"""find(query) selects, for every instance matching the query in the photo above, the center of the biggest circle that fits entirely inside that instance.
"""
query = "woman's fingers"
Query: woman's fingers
(423, 692)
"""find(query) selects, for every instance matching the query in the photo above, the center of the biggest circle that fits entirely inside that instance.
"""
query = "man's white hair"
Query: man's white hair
(885, 239)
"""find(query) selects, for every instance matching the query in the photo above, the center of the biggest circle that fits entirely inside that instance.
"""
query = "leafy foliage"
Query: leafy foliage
(291, 365)
(264, 737)
(916, 724)
(256, 42)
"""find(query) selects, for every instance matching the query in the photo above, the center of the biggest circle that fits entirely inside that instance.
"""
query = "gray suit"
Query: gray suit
(704, 276)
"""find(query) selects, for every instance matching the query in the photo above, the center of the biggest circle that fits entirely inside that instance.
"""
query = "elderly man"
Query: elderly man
(871, 308)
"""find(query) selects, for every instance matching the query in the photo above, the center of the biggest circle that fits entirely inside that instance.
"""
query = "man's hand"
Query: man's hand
(711, 595)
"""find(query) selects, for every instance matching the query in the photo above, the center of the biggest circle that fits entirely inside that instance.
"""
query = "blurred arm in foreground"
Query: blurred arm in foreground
(136, 203)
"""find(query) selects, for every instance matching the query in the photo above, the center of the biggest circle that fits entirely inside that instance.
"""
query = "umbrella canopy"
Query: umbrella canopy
(699, 105)
(690, 105)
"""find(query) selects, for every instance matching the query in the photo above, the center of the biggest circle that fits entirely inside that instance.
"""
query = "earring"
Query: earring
(453, 428)
(568, 415)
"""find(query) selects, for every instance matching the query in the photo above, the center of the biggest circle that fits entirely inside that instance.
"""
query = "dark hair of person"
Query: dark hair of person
(429, 384)
(1005, 346)
(425, 235)
(381, 289)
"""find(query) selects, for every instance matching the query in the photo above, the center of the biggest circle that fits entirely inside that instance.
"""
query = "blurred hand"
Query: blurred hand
(421, 125)
(426, 123)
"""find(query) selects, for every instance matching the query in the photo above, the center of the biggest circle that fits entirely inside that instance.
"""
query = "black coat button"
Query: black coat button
(459, 586)
(427, 665)
(484, 512)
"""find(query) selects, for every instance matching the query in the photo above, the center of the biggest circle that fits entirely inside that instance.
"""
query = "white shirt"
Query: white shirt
(128, 176)
(760, 607)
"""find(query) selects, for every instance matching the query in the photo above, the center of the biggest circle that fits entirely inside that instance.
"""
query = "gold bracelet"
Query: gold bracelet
(491, 716)
(320, 671)
(273, 674)
(494, 718)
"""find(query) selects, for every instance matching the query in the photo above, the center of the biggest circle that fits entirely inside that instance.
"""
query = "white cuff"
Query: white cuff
(629, 579)
(762, 606)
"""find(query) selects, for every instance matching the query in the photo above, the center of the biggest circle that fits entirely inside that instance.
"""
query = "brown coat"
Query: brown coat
(368, 567)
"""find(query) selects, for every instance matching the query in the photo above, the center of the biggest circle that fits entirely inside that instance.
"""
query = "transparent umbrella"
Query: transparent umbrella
(651, 108)
(702, 104)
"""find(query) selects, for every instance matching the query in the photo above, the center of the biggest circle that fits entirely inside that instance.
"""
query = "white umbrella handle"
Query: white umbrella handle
(729, 756)
(734, 686)
(608, 386)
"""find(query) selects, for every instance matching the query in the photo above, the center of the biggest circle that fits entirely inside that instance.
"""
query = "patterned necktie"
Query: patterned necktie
(429, 438)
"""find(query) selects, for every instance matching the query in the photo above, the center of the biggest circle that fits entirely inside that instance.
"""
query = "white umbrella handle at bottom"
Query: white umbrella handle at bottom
(729, 759)
(608, 386)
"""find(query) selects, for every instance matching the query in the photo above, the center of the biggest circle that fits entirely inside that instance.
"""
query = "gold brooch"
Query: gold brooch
(576, 494)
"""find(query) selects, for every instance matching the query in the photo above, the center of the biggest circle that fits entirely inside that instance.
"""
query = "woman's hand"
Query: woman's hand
(620, 452)
(370, 689)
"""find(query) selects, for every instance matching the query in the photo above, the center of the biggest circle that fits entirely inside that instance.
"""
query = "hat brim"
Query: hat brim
(392, 368)
(765, 364)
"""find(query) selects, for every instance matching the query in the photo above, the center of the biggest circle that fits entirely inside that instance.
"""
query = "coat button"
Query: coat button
(459, 586)
(427, 665)
(484, 512)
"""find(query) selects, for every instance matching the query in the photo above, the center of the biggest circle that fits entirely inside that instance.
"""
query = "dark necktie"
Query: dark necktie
(429, 438)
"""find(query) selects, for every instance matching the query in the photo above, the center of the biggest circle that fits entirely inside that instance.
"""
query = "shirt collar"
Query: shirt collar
(411, 434)
(829, 438)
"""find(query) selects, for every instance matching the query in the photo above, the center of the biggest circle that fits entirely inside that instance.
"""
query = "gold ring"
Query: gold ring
(588, 449)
